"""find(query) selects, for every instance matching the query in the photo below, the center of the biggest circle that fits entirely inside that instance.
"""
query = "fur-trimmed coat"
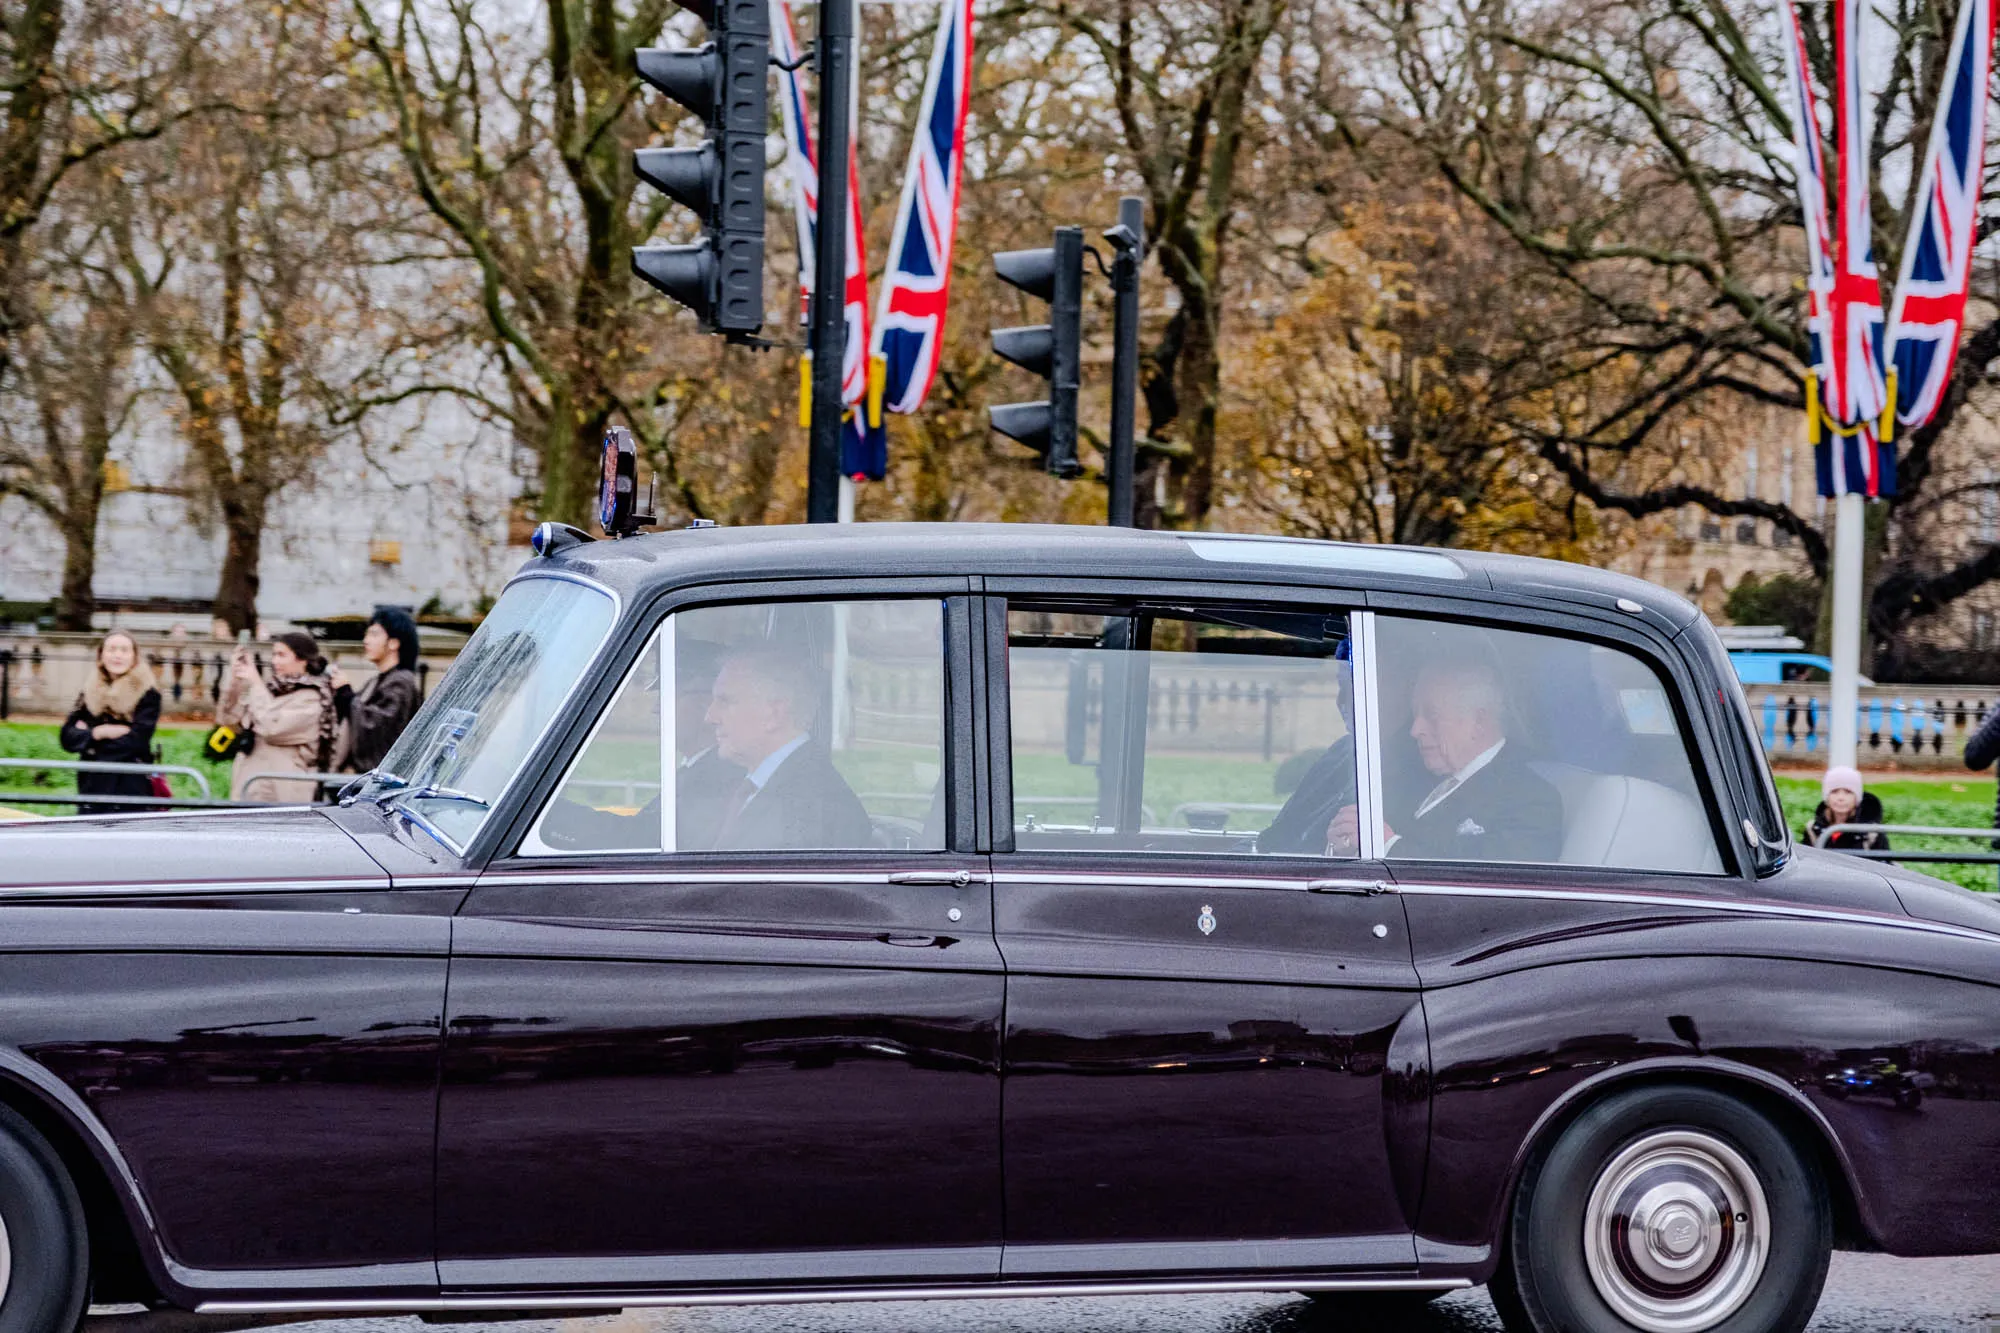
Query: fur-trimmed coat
(131, 700)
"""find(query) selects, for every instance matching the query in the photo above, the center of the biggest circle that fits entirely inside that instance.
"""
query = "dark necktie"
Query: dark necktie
(731, 811)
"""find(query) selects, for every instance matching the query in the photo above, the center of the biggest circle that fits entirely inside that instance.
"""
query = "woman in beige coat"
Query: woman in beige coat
(292, 719)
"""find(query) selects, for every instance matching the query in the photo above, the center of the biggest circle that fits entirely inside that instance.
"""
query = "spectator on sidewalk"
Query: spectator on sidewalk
(113, 723)
(375, 715)
(1982, 749)
(291, 717)
(1843, 801)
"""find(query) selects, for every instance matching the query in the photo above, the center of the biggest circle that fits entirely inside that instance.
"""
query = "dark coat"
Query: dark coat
(375, 717)
(134, 747)
(1300, 828)
(1982, 750)
(1867, 811)
(1504, 812)
(805, 804)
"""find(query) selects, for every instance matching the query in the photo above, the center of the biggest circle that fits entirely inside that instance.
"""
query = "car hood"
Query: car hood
(1834, 879)
(1934, 900)
(224, 850)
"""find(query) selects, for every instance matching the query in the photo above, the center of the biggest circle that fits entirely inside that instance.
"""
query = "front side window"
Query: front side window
(793, 726)
(458, 755)
(1174, 730)
(1504, 746)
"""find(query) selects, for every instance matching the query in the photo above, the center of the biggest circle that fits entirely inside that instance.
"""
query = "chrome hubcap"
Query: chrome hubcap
(1676, 1232)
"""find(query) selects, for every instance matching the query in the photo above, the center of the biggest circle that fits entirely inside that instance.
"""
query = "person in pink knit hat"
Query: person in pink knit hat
(1843, 801)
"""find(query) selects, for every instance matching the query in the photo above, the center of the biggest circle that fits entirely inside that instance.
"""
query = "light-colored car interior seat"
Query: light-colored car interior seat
(1611, 819)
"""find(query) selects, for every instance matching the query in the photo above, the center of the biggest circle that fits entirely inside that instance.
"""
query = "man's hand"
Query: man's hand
(1343, 835)
(109, 731)
(335, 675)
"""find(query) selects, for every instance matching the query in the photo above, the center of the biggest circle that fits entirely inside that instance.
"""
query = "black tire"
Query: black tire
(48, 1242)
(1567, 1268)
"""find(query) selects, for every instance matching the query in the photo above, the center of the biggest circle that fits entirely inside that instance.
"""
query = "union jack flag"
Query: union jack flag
(916, 290)
(804, 159)
(1928, 310)
(1809, 172)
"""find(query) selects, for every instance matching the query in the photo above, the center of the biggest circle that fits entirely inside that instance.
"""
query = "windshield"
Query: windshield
(454, 761)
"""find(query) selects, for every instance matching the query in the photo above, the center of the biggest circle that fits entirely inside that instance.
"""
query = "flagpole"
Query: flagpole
(1850, 517)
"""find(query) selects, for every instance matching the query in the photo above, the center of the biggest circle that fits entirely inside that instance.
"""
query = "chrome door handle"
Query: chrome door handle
(955, 878)
(1360, 888)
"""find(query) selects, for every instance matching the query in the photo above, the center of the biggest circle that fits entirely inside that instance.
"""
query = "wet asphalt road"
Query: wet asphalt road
(1864, 1294)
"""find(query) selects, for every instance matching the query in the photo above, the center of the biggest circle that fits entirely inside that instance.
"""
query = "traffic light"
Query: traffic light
(1053, 350)
(725, 81)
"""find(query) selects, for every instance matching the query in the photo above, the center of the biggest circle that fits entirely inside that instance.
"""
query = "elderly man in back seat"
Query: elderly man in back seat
(1487, 804)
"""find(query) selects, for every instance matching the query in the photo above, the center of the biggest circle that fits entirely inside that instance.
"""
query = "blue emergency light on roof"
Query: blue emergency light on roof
(552, 537)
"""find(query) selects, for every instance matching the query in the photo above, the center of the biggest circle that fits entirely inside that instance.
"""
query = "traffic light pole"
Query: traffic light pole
(1128, 238)
(828, 334)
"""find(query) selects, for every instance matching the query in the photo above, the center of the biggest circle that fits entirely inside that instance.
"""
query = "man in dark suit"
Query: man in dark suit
(791, 796)
(1487, 804)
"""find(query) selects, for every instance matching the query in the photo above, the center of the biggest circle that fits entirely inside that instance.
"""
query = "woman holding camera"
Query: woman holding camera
(113, 722)
(292, 718)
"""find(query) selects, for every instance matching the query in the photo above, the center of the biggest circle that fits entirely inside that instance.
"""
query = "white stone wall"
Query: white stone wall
(431, 479)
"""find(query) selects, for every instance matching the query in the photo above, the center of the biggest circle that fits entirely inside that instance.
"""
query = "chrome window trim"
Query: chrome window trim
(974, 1291)
(1300, 882)
(1367, 738)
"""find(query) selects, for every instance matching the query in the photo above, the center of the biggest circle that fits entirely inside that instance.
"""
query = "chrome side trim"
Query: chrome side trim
(779, 873)
(197, 888)
(809, 1296)
(1751, 907)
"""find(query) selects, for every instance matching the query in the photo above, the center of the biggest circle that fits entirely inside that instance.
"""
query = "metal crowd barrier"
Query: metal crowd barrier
(109, 766)
(1989, 835)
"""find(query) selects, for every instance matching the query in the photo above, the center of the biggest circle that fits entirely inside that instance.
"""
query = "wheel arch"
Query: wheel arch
(1797, 1117)
(125, 1251)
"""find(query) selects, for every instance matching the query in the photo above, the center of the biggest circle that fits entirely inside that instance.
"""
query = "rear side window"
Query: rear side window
(1505, 746)
(1176, 730)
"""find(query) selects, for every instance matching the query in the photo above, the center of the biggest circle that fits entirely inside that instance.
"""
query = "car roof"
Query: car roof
(651, 562)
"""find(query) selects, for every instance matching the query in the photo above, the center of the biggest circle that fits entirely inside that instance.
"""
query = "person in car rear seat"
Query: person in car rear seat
(1487, 804)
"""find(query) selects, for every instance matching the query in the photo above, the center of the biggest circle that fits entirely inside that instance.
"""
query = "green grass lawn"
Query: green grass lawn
(37, 740)
(1946, 803)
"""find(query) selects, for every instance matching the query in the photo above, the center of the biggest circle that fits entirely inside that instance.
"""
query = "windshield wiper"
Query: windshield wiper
(434, 792)
(374, 782)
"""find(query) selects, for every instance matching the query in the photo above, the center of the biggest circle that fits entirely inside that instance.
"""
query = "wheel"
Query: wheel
(1370, 1309)
(1666, 1210)
(44, 1241)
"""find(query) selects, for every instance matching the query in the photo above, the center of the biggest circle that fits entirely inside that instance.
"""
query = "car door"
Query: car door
(1542, 901)
(1214, 1047)
(698, 1036)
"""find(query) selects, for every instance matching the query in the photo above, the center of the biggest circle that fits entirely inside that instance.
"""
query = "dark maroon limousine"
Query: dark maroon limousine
(899, 912)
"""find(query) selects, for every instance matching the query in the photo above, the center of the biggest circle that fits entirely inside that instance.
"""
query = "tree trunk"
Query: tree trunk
(79, 597)
(236, 590)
